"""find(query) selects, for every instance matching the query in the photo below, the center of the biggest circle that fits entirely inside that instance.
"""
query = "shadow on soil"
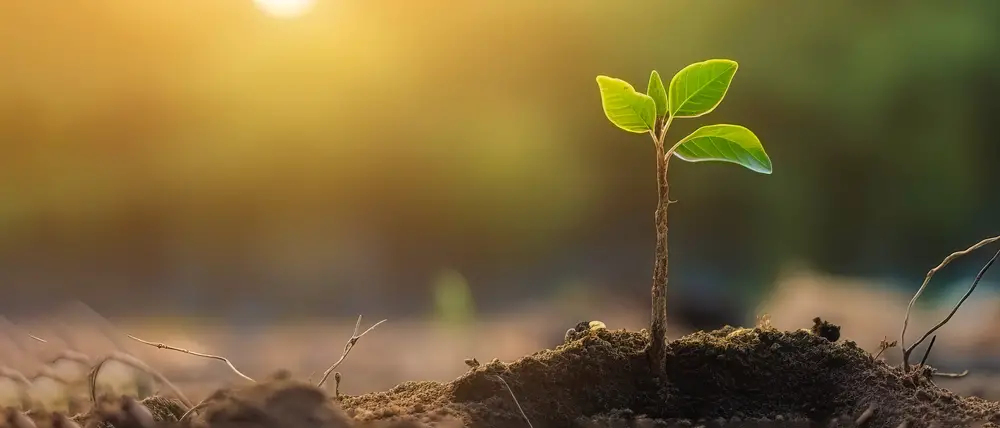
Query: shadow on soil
(731, 377)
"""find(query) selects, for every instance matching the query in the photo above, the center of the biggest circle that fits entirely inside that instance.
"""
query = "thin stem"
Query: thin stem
(658, 319)
(975, 283)
(137, 364)
(511, 391)
(197, 354)
(347, 349)
(927, 353)
(952, 375)
(927, 279)
(661, 136)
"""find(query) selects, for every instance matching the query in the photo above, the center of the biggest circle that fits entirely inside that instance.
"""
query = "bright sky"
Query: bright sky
(284, 8)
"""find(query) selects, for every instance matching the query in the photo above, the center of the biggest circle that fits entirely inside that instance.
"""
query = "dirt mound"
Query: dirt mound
(732, 374)
(284, 403)
(762, 373)
(281, 403)
(584, 377)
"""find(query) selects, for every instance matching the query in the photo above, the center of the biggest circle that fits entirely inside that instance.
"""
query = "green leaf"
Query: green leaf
(627, 109)
(725, 143)
(698, 88)
(656, 91)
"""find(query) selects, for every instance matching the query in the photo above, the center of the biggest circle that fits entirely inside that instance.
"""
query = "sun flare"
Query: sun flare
(284, 8)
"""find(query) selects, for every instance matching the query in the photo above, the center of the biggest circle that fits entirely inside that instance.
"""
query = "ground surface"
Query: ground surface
(741, 374)
(730, 377)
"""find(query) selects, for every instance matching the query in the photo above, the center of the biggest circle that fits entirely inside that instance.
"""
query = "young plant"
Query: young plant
(694, 91)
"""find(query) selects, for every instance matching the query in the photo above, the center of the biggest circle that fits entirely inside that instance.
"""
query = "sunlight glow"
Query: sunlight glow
(284, 8)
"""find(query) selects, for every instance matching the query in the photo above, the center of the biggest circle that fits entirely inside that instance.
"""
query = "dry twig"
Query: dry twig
(952, 375)
(197, 354)
(927, 352)
(195, 408)
(923, 286)
(347, 349)
(515, 401)
(883, 345)
(138, 365)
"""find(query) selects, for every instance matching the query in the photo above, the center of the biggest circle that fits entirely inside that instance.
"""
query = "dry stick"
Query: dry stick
(201, 404)
(197, 354)
(923, 286)
(37, 338)
(515, 401)
(979, 276)
(880, 351)
(927, 352)
(952, 375)
(217, 395)
(138, 365)
(883, 345)
(347, 349)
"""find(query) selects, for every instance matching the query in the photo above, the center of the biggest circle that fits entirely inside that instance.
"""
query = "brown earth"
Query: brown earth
(747, 374)
(730, 377)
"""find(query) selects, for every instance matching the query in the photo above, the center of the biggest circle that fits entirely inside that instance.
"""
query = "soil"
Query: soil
(731, 377)
(738, 375)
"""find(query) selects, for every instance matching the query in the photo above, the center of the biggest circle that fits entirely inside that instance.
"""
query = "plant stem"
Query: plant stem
(658, 320)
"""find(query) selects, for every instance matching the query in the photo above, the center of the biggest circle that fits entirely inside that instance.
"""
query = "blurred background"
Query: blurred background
(233, 173)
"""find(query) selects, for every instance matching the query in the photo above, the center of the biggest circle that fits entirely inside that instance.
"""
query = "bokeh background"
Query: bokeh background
(207, 173)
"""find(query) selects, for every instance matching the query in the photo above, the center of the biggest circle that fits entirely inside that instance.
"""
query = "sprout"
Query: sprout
(694, 91)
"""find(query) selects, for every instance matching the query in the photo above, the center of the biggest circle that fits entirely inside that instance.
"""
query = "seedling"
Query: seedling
(694, 91)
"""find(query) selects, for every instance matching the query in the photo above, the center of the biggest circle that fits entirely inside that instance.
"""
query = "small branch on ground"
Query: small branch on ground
(883, 345)
(923, 286)
(218, 395)
(197, 354)
(952, 375)
(347, 349)
(927, 352)
(37, 338)
(138, 365)
(201, 404)
(511, 391)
